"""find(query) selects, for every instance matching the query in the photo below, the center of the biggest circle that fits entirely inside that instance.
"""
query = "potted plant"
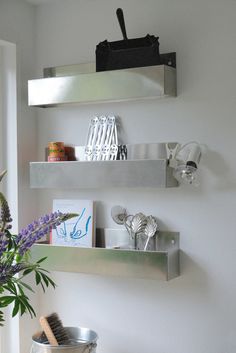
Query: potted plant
(15, 261)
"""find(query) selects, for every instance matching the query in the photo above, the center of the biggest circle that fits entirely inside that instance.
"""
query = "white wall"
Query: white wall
(18, 45)
(17, 26)
(195, 312)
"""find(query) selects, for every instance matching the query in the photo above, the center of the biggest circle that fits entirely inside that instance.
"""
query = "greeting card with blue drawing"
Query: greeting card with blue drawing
(78, 231)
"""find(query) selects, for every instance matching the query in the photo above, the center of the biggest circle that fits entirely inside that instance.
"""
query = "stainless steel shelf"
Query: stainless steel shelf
(98, 174)
(93, 87)
(161, 265)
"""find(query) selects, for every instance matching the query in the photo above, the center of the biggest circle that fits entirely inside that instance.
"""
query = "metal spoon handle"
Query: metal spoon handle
(145, 247)
(120, 16)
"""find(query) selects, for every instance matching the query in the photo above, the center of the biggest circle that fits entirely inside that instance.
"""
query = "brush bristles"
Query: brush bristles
(57, 328)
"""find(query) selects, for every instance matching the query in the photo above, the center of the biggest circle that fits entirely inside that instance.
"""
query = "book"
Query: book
(78, 231)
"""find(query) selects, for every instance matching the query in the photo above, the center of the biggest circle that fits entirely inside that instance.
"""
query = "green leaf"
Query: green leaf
(22, 308)
(25, 302)
(6, 300)
(27, 271)
(42, 287)
(20, 289)
(10, 287)
(30, 309)
(27, 256)
(51, 282)
(2, 174)
(44, 277)
(27, 286)
(43, 269)
(37, 278)
(18, 257)
(41, 260)
(10, 244)
(16, 307)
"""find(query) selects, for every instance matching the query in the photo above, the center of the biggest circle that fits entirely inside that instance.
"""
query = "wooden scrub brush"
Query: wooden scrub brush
(54, 331)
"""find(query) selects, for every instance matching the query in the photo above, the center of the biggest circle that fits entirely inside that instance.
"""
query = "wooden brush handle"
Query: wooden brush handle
(48, 331)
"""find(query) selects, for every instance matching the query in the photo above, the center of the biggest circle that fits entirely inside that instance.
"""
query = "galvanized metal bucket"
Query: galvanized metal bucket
(82, 340)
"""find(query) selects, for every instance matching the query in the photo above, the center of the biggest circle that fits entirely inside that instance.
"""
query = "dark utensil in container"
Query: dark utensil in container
(127, 53)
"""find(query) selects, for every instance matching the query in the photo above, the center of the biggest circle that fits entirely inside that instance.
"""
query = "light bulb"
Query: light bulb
(186, 174)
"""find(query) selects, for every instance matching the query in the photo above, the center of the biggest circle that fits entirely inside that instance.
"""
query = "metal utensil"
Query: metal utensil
(138, 223)
(91, 138)
(127, 53)
(150, 229)
(100, 138)
(136, 227)
(118, 214)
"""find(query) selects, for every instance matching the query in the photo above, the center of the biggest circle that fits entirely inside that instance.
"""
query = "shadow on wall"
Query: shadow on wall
(192, 272)
(222, 175)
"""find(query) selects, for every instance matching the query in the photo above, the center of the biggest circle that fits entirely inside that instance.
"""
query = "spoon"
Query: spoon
(150, 229)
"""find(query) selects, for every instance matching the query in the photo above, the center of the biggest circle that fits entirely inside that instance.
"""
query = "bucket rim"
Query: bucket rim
(92, 341)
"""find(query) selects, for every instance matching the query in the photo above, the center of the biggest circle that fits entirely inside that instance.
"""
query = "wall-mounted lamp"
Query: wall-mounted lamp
(185, 159)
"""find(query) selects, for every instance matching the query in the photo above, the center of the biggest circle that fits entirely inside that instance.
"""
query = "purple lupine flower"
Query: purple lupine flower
(3, 243)
(11, 246)
(36, 230)
(5, 216)
(3, 246)
(8, 271)
(30, 227)
(5, 211)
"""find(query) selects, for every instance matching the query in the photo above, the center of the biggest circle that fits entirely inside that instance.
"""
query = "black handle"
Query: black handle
(120, 16)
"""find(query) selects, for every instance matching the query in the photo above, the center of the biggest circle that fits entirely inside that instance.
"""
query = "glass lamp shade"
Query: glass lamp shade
(186, 174)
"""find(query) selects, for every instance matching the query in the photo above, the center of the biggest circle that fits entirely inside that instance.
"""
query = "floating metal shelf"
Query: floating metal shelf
(98, 174)
(162, 264)
(94, 87)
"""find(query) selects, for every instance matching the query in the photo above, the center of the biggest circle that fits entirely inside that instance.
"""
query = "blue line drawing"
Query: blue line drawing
(87, 224)
(61, 231)
(76, 233)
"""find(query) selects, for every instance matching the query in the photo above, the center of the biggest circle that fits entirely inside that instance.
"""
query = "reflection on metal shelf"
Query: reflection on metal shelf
(117, 85)
(146, 166)
(162, 264)
(99, 174)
